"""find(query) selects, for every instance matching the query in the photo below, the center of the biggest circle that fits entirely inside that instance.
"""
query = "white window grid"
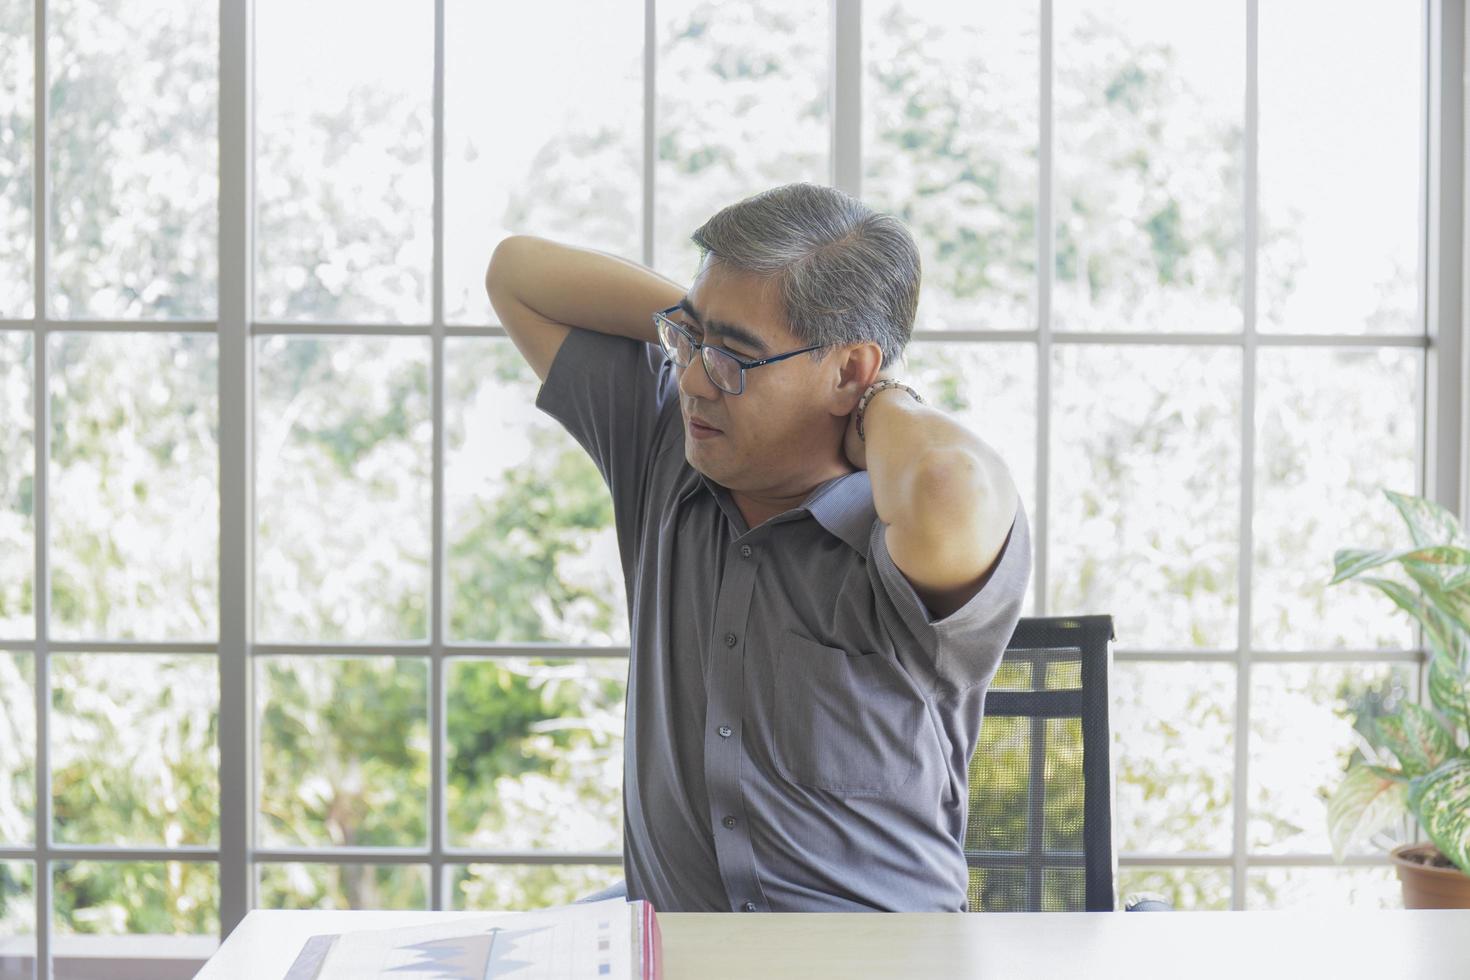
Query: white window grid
(1441, 436)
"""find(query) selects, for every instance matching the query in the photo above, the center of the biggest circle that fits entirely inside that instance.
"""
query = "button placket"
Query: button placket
(723, 751)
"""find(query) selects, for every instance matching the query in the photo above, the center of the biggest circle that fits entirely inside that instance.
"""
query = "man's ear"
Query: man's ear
(858, 367)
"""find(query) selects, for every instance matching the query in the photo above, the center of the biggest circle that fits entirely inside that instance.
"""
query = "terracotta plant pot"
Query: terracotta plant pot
(1430, 885)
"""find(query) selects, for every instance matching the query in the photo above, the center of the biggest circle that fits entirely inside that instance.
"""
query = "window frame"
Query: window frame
(1443, 446)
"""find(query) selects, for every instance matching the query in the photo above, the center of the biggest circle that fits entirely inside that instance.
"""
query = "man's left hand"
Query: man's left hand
(854, 447)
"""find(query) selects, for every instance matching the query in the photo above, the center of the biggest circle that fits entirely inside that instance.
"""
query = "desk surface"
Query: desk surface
(1382, 945)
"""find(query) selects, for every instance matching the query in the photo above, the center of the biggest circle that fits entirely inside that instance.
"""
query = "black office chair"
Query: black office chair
(1039, 837)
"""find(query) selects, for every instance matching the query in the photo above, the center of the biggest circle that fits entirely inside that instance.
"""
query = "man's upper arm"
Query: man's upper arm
(963, 646)
(618, 398)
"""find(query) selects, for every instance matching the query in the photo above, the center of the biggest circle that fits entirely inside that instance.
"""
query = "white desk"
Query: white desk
(1386, 945)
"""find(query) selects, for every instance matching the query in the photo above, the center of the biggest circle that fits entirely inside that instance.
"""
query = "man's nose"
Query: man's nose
(695, 382)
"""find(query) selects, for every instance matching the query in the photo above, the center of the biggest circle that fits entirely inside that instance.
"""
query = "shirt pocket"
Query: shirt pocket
(846, 723)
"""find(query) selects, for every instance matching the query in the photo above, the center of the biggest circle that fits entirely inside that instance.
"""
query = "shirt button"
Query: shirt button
(729, 823)
(726, 731)
(745, 551)
(749, 906)
(729, 639)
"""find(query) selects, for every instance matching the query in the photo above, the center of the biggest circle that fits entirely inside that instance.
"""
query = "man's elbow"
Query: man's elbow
(497, 270)
(960, 495)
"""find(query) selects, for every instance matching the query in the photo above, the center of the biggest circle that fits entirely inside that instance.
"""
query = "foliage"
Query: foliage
(533, 746)
(1432, 779)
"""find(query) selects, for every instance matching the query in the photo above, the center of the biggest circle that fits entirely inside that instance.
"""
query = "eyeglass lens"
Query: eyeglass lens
(723, 369)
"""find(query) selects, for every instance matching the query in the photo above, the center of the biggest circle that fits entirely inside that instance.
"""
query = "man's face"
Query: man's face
(782, 425)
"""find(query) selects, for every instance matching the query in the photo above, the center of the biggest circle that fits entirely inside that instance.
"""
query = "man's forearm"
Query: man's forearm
(581, 287)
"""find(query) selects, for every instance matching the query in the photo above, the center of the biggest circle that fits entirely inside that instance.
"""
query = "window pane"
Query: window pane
(533, 554)
(1063, 889)
(17, 484)
(1331, 127)
(1150, 105)
(17, 748)
(17, 920)
(343, 171)
(134, 151)
(17, 150)
(742, 107)
(522, 887)
(1185, 889)
(990, 389)
(115, 898)
(134, 755)
(1335, 429)
(1021, 761)
(1174, 728)
(1323, 888)
(949, 135)
(535, 754)
(1062, 816)
(998, 889)
(344, 749)
(1000, 787)
(563, 158)
(342, 445)
(343, 886)
(134, 486)
(1308, 722)
(1145, 478)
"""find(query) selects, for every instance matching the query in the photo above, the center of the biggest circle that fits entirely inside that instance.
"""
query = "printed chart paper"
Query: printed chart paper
(595, 940)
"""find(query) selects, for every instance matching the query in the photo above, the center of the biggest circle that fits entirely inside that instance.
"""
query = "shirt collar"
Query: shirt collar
(843, 505)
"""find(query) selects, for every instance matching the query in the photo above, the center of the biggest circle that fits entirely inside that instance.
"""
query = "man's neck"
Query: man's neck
(757, 508)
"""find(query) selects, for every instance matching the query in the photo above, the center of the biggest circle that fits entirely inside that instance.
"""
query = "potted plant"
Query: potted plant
(1432, 779)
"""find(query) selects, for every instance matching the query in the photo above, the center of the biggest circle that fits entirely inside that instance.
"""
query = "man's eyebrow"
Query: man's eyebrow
(730, 330)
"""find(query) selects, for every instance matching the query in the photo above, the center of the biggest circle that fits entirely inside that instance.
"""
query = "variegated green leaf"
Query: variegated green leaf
(1436, 627)
(1428, 522)
(1441, 801)
(1368, 799)
(1451, 555)
(1440, 576)
(1454, 604)
(1417, 737)
(1455, 607)
(1348, 562)
(1451, 613)
(1449, 690)
(1457, 637)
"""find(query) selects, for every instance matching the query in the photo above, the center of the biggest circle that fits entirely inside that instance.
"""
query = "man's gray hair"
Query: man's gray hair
(845, 272)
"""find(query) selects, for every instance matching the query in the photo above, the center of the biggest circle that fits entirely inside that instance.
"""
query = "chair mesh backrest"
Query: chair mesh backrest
(1039, 833)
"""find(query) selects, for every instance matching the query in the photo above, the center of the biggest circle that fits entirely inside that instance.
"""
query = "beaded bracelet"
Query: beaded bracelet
(873, 389)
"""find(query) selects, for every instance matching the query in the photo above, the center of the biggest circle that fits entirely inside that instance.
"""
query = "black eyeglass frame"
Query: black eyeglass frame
(662, 317)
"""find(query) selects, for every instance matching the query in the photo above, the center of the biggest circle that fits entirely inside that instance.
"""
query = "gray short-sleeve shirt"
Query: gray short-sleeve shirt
(798, 729)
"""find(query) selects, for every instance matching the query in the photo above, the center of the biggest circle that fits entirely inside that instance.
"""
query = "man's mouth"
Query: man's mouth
(701, 428)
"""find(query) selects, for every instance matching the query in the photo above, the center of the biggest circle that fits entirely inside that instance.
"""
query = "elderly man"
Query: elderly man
(822, 571)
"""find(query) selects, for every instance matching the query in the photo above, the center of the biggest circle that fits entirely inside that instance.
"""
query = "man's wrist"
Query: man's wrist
(874, 390)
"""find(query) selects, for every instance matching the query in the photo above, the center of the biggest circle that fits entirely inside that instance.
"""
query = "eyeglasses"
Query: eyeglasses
(725, 371)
